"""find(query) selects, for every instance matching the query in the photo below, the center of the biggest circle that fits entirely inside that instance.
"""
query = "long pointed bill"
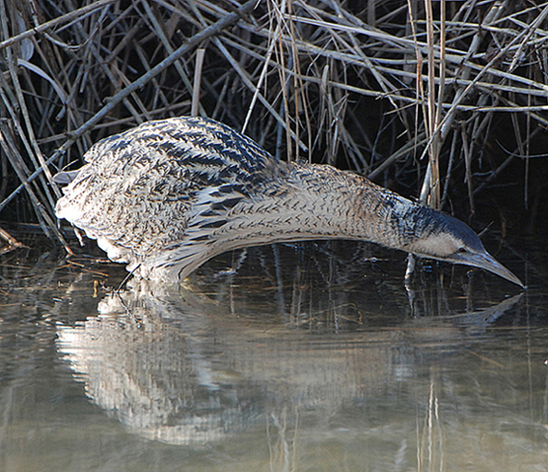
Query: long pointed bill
(488, 262)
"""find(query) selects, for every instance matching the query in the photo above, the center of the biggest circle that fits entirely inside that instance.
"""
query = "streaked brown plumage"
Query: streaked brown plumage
(169, 195)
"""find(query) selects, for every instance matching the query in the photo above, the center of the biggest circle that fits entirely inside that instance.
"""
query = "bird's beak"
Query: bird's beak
(488, 262)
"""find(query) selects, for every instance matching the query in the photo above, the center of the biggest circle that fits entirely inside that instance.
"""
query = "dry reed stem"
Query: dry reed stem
(305, 78)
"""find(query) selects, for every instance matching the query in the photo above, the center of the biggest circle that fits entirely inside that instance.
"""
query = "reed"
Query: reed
(414, 92)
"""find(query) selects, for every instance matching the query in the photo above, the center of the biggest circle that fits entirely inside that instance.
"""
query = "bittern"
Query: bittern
(169, 195)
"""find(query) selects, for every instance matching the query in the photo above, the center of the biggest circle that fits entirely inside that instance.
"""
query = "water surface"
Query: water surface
(283, 358)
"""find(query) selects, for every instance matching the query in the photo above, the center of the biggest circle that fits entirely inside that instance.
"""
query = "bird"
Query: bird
(169, 195)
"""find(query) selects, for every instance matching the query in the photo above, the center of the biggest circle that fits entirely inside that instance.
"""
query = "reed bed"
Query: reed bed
(436, 97)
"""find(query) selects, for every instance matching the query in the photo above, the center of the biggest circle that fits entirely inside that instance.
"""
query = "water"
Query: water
(306, 358)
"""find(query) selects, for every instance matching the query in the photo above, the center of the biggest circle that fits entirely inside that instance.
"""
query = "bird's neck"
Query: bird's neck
(320, 202)
(304, 203)
(351, 207)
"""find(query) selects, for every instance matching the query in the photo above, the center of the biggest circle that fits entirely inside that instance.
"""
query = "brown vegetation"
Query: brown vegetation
(437, 96)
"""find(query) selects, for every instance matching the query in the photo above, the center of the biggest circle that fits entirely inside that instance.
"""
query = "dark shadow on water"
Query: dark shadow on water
(308, 357)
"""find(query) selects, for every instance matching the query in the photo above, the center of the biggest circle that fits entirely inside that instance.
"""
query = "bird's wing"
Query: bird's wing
(140, 188)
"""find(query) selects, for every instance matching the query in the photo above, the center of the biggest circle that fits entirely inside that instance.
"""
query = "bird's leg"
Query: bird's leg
(79, 235)
(407, 281)
(410, 269)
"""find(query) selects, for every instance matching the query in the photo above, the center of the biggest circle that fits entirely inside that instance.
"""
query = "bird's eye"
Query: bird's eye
(462, 250)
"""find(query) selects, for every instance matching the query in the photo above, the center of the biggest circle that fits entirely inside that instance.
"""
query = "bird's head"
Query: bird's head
(442, 237)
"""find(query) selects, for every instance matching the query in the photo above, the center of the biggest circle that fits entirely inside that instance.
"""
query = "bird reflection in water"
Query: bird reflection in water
(215, 361)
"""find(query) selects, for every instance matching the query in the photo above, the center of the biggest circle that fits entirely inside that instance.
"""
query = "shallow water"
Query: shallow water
(309, 357)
